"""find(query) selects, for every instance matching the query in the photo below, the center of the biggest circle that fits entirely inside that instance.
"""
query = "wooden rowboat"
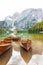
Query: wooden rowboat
(26, 44)
(5, 45)
(16, 39)
(3, 48)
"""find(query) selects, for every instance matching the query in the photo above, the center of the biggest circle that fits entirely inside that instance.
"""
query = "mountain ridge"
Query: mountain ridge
(37, 28)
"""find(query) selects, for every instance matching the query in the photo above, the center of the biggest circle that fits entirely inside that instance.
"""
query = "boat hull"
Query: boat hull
(26, 44)
(4, 48)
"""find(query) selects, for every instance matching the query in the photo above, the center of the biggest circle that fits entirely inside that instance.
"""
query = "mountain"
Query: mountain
(37, 28)
(9, 20)
(23, 20)
(29, 18)
(2, 24)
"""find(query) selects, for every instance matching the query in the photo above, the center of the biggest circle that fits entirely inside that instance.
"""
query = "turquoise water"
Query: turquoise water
(2, 36)
(31, 36)
(24, 35)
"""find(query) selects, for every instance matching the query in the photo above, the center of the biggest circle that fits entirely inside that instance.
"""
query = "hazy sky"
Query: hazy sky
(8, 7)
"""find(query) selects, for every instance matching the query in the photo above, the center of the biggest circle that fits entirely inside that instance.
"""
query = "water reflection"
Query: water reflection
(36, 48)
(21, 54)
(26, 55)
(38, 37)
(5, 57)
(16, 46)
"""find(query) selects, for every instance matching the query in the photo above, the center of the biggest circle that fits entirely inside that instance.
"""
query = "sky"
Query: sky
(9, 7)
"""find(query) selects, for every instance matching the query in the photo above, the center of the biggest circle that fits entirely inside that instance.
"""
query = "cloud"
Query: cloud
(8, 7)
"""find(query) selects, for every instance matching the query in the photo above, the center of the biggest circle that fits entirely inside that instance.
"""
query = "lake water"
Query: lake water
(38, 37)
(20, 54)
